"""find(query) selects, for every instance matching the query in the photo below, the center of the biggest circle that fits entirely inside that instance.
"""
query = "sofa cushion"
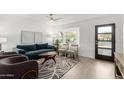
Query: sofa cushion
(36, 52)
(51, 47)
(20, 51)
(27, 47)
(42, 46)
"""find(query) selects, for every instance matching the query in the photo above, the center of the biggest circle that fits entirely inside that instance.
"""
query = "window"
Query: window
(67, 36)
(71, 36)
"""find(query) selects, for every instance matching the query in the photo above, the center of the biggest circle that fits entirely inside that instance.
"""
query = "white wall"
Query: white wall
(11, 26)
(87, 33)
(123, 34)
(123, 38)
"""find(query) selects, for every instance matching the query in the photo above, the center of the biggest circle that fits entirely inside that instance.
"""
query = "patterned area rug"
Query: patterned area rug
(50, 70)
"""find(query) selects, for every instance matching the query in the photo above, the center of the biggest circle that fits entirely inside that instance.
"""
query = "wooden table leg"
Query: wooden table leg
(45, 59)
(48, 59)
(54, 59)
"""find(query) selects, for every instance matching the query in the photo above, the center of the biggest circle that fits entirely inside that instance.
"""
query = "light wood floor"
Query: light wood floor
(91, 69)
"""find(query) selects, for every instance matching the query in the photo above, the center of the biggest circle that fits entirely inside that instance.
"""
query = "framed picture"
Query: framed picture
(38, 37)
(27, 37)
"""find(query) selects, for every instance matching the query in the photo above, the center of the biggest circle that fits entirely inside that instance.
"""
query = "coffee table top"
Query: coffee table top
(48, 54)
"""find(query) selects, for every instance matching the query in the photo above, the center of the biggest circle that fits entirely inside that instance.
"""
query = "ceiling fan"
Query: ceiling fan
(53, 19)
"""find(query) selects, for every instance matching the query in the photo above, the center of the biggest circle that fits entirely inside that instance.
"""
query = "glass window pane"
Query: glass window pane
(107, 29)
(104, 36)
(104, 52)
(105, 44)
(71, 37)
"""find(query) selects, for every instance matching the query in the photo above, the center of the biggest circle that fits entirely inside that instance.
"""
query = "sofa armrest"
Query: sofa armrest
(9, 53)
(51, 47)
(20, 51)
(5, 56)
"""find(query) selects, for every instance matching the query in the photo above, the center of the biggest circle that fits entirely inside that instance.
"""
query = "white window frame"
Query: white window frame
(77, 29)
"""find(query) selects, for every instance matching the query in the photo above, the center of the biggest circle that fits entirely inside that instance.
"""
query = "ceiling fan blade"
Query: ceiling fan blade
(56, 19)
(51, 18)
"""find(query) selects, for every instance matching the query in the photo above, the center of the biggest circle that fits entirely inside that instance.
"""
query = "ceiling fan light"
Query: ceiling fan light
(51, 20)
(51, 14)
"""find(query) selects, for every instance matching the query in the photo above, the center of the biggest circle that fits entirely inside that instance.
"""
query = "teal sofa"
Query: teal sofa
(32, 51)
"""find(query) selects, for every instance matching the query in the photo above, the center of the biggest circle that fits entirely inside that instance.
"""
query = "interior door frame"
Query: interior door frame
(113, 42)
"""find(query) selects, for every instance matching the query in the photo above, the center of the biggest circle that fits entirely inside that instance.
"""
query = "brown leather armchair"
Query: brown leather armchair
(8, 54)
(18, 67)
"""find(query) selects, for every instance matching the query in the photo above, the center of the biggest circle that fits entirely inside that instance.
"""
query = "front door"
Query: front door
(105, 41)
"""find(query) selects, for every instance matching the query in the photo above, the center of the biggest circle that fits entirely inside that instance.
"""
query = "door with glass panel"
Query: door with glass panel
(105, 41)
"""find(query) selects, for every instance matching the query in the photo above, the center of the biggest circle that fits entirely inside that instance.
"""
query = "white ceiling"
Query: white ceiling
(67, 18)
(70, 18)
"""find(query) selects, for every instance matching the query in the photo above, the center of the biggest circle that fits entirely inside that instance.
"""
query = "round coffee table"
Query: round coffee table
(48, 56)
